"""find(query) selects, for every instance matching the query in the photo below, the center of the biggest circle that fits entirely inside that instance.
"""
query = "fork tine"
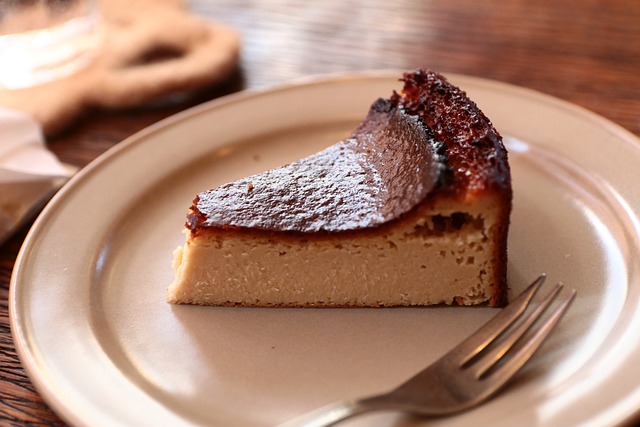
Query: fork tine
(494, 327)
(516, 360)
(491, 357)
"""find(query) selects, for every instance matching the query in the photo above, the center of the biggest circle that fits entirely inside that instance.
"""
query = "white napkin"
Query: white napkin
(29, 173)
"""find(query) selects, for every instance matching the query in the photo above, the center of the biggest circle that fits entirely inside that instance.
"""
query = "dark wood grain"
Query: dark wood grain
(583, 51)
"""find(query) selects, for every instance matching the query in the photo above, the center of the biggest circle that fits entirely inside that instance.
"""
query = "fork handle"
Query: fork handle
(333, 413)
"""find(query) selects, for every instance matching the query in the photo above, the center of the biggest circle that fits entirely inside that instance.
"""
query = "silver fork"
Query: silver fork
(470, 373)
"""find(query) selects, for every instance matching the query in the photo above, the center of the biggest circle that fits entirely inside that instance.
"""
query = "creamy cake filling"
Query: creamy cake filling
(438, 258)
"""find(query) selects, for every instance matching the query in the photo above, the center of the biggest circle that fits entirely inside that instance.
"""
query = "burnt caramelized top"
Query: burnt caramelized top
(474, 148)
(429, 139)
(388, 165)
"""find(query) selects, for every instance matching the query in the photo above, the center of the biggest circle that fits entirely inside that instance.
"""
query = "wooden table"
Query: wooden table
(586, 52)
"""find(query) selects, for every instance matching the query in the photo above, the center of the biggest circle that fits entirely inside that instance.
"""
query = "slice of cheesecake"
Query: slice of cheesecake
(412, 209)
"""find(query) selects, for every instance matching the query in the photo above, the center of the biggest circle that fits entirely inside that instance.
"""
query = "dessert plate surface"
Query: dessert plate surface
(100, 343)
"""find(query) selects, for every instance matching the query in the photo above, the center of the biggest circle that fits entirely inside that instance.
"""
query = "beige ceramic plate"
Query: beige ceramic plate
(94, 332)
